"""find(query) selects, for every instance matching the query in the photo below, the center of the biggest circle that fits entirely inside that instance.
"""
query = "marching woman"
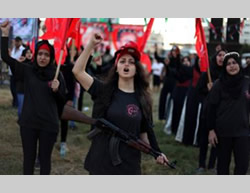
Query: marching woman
(204, 88)
(39, 120)
(183, 76)
(228, 114)
(192, 107)
(124, 100)
(26, 57)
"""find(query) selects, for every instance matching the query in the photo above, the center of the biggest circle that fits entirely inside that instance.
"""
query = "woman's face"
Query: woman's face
(43, 58)
(28, 55)
(126, 66)
(167, 61)
(174, 53)
(186, 62)
(232, 67)
(220, 57)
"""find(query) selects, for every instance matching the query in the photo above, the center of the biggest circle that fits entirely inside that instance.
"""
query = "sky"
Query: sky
(175, 30)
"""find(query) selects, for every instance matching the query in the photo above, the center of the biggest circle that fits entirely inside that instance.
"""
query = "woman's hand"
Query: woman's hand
(55, 85)
(5, 27)
(95, 40)
(162, 159)
(212, 138)
(209, 86)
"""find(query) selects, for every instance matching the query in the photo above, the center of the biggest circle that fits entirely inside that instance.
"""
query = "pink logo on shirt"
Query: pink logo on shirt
(247, 94)
(132, 110)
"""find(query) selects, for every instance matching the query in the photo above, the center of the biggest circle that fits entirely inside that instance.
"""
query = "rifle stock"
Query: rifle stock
(69, 113)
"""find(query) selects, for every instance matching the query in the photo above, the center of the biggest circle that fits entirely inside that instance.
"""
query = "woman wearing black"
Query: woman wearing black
(192, 107)
(204, 88)
(183, 75)
(228, 114)
(122, 99)
(169, 80)
(70, 82)
(39, 120)
(27, 59)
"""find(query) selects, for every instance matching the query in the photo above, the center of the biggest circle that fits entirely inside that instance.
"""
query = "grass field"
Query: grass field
(78, 144)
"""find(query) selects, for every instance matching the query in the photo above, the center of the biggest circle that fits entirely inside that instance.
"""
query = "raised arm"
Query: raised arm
(79, 69)
(5, 27)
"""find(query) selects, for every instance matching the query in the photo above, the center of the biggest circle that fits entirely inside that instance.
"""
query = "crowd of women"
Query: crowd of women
(195, 109)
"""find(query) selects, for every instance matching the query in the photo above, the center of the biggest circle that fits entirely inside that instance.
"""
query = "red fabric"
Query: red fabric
(183, 84)
(196, 77)
(129, 48)
(52, 25)
(44, 47)
(146, 62)
(32, 45)
(60, 29)
(146, 34)
(74, 32)
(201, 46)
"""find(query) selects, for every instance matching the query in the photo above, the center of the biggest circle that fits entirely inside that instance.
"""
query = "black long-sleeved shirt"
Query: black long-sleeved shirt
(229, 117)
(69, 80)
(40, 108)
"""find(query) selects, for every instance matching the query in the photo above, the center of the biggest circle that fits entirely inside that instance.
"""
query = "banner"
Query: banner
(88, 28)
(22, 27)
(124, 33)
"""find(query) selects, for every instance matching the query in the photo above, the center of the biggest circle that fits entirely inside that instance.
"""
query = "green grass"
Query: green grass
(78, 144)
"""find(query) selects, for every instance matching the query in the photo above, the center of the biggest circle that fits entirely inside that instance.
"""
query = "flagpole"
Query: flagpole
(209, 75)
(59, 64)
(72, 48)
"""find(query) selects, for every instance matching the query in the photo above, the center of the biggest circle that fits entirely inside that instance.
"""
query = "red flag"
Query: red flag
(146, 62)
(201, 46)
(74, 32)
(52, 25)
(146, 34)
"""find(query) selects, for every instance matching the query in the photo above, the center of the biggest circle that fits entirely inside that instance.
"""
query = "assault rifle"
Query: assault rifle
(126, 137)
(102, 125)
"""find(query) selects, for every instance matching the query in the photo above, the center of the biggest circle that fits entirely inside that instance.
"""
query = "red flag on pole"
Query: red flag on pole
(146, 34)
(201, 46)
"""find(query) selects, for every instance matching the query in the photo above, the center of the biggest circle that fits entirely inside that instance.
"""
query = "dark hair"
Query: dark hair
(216, 54)
(18, 39)
(182, 60)
(25, 51)
(68, 57)
(141, 88)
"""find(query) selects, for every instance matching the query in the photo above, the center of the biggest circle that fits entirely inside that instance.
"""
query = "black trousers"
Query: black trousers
(46, 143)
(64, 130)
(203, 145)
(13, 91)
(80, 102)
(239, 147)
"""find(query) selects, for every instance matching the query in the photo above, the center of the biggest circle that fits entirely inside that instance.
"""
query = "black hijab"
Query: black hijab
(232, 84)
(215, 69)
(45, 73)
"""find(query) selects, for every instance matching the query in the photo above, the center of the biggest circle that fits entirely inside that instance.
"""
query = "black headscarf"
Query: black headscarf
(27, 61)
(232, 84)
(45, 73)
(215, 69)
